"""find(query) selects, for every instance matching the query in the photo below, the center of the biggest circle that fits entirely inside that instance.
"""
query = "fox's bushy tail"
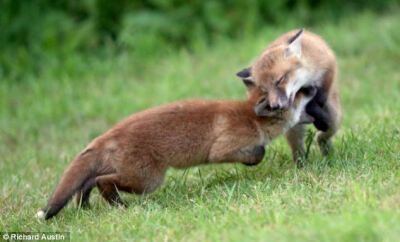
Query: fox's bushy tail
(78, 172)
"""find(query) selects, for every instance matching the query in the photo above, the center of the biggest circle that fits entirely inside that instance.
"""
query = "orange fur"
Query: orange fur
(134, 155)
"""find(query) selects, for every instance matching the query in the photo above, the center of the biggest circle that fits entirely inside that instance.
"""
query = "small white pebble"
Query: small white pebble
(40, 214)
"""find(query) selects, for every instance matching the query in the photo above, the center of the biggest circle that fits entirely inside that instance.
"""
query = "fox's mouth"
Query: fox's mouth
(271, 114)
(264, 110)
(309, 91)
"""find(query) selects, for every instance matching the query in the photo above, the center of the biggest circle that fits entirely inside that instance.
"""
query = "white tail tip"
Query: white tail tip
(40, 214)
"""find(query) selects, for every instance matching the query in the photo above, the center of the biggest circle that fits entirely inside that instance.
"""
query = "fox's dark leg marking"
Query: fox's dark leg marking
(320, 97)
(315, 108)
(321, 117)
(332, 117)
(257, 153)
(249, 156)
(327, 117)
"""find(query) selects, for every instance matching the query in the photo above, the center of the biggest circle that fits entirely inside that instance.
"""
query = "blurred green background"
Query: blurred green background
(42, 33)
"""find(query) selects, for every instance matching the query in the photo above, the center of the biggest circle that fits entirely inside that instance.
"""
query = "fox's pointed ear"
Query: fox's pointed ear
(246, 77)
(294, 44)
(245, 73)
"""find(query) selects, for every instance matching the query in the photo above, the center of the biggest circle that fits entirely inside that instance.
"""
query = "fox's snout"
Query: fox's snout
(273, 104)
(278, 100)
(268, 106)
(282, 103)
(264, 108)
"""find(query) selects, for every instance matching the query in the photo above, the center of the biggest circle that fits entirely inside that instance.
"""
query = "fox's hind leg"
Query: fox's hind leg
(83, 195)
(143, 178)
(334, 112)
(333, 109)
(108, 186)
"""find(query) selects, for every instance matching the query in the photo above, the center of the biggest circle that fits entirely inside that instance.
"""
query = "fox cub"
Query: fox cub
(299, 59)
(134, 155)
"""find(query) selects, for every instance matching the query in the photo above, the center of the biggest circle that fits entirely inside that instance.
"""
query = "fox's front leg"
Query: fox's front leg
(222, 152)
(295, 138)
(255, 155)
(248, 156)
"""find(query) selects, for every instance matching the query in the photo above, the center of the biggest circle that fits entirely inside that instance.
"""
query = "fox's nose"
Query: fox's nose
(274, 106)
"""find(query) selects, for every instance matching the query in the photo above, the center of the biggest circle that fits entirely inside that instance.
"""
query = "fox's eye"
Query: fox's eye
(281, 79)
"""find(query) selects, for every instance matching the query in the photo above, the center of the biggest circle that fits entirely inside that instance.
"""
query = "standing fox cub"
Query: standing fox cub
(295, 60)
(134, 155)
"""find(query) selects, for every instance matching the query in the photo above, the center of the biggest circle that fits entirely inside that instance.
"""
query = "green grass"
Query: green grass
(351, 195)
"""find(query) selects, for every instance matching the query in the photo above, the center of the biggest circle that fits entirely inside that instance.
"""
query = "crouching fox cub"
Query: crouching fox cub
(134, 155)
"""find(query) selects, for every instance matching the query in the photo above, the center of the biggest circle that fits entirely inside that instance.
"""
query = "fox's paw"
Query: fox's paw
(325, 146)
(256, 155)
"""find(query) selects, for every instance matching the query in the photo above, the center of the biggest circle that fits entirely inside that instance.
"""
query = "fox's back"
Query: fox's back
(175, 133)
